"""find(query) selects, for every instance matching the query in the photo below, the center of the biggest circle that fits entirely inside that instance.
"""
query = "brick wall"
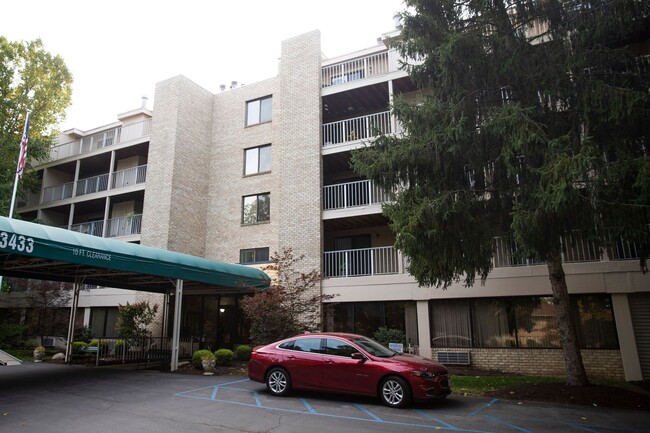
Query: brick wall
(544, 362)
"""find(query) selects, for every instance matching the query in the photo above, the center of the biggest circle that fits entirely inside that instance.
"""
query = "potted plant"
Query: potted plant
(39, 352)
(207, 361)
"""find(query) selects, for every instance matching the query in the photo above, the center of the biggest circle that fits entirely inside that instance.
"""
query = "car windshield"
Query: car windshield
(374, 348)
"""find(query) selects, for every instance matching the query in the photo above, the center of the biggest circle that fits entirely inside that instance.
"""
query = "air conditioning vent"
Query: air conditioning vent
(455, 357)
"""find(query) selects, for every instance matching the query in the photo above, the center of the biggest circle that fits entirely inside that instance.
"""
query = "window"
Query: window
(339, 348)
(256, 208)
(254, 255)
(259, 111)
(311, 345)
(520, 322)
(257, 160)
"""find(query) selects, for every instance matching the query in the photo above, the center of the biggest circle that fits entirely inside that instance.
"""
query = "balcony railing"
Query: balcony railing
(57, 192)
(358, 69)
(124, 226)
(130, 176)
(362, 262)
(94, 228)
(92, 184)
(352, 194)
(357, 128)
(102, 139)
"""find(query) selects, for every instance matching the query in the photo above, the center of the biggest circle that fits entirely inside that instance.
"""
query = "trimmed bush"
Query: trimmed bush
(243, 352)
(385, 335)
(77, 346)
(198, 355)
(224, 356)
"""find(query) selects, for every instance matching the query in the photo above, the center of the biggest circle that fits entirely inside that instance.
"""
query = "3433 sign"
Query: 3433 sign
(15, 242)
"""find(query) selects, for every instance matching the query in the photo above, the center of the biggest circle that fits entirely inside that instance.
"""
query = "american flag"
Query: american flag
(23, 149)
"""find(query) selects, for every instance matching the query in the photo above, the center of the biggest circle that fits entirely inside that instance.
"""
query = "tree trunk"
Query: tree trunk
(575, 369)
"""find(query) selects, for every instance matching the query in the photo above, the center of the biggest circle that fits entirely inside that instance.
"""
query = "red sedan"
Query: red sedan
(347, 363)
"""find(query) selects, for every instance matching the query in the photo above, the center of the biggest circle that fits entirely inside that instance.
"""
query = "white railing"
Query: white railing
(57, 192)
(92, 184)
(94, 228)
(129, 176)
(505, 255)
(358, 69)
(124, 226)
(352, 194)
(146, 349)
(102, 139)
(29, 199)
(357, 128)
(362, 262)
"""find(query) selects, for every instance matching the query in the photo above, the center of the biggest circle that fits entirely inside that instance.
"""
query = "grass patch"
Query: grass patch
(477, 385)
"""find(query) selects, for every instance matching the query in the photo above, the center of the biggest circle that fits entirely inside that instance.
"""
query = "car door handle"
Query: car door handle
(291, 357)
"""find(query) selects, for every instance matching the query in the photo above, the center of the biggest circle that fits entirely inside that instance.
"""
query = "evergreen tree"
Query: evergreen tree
(530, 122)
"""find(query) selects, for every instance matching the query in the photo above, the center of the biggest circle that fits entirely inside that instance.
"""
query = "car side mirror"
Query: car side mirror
(358, 356)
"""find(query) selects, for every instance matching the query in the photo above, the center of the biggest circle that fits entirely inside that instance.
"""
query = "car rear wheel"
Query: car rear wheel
(278, 381)
(395, 392)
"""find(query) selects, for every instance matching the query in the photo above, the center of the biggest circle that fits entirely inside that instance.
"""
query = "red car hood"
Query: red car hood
(415, 362)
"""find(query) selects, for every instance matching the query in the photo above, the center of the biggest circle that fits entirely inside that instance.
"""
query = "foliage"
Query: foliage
(11, 335)
(121, 346)
(531, 137)
(243, 352)
(40, 348)
(77, 346)
(385, 335)
(103, 344)
(223, 356)
(83, 333)
(290, 306)
(30, 79)
(133, 319)
(198, 355)
(48, 305)
(208, 357)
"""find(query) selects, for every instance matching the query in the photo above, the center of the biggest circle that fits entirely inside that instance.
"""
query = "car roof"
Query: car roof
(342, 335)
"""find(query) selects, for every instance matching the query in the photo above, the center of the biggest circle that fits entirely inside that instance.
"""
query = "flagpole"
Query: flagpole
(20, 166)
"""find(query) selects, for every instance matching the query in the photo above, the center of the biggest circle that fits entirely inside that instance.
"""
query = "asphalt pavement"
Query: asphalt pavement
(53, 398)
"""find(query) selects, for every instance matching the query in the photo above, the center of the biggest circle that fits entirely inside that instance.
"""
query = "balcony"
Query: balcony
(100, 140)
(115, 227)
(124, 226)
(352, 194)
(362, 262)
(357, 128)
(90, 185)
(358, 69)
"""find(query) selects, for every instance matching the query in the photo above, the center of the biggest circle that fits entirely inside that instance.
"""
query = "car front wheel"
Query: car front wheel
(278, 382)
(395, 392)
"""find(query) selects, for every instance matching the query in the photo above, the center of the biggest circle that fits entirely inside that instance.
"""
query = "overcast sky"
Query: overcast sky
(117, 50)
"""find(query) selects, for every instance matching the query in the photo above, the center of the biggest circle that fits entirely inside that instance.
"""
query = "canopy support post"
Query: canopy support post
(73, 316)
(177, 324)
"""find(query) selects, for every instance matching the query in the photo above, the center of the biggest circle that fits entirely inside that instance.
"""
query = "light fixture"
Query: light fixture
(222, 310)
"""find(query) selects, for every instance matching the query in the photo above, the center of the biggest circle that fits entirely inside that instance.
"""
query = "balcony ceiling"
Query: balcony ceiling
(353, 223)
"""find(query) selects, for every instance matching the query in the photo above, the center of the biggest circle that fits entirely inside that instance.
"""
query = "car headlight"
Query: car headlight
(424, 374)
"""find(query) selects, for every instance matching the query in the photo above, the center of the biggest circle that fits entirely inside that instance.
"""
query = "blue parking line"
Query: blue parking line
(258, 401)
(214, 392)
(308, 406)
(485, 406)
(433, 418)
(367, 412)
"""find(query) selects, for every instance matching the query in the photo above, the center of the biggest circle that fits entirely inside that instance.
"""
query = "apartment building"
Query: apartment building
(237, 175)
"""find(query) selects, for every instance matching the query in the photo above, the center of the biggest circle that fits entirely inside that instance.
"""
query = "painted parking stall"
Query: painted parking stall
(458, 414)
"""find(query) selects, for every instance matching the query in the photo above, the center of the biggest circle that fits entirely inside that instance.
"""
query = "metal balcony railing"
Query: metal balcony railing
(57, 192)
(357, 128)
(362, 262)
(129, 177)
(92, 184)
(358, 69)
(102, 139)
(124, 226)
(94, 228)
(352, 194)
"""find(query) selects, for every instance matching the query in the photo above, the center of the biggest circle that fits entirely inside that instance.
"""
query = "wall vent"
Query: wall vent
(455, 357)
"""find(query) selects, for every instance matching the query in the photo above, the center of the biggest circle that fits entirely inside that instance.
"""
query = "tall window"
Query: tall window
(254, 255)
(259, 110)
(257, 160)
(256, 208)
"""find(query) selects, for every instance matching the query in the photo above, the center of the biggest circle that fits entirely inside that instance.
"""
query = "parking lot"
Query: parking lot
(60, 398)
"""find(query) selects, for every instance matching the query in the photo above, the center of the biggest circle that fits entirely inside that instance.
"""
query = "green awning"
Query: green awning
(29, 250)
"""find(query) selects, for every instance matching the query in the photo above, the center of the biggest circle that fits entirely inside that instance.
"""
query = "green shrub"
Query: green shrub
(243, 352)
(196, 357)
(224, 356)
(101, 344)
(77, 346)
(121, 346)
(385, 335)
(11, 335)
